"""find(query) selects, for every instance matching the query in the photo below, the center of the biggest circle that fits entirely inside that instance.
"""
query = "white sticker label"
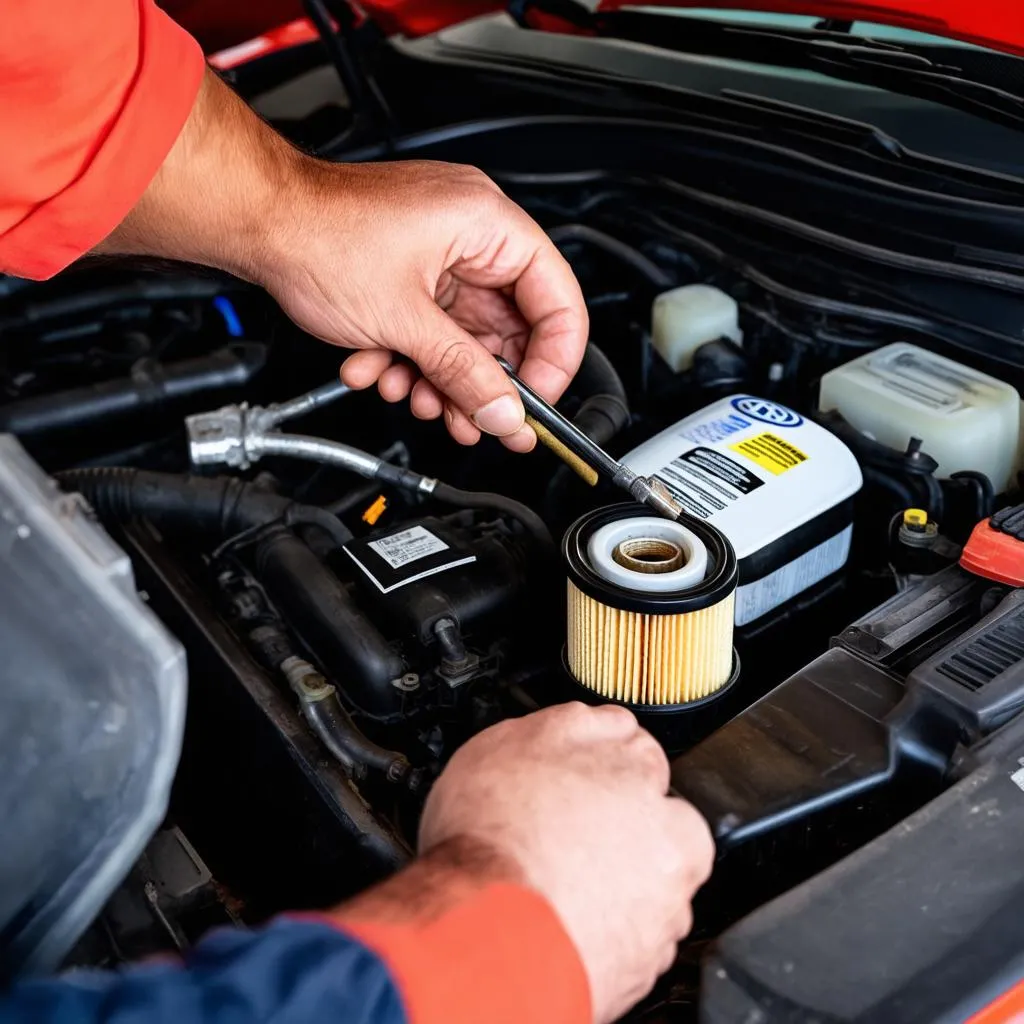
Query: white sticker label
(407, 546)
(705, 481)
(1017, 778)
(758, 598)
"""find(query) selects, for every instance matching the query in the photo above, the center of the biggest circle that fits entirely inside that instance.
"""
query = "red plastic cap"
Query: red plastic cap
(996, 548)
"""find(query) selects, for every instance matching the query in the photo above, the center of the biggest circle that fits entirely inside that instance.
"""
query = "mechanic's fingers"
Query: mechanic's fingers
(645, 753)
(459, 425)
(363, 369)
(669, 955)
(694, 840)
(601, 723)
(396, 382)
(522, 441)
(615, 720)
(466, 373)
(550, 300)
(426, 403)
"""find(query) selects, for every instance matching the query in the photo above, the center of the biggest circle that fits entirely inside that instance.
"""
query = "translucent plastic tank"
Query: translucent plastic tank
(965, 419)
(92, 703)
(685, 318)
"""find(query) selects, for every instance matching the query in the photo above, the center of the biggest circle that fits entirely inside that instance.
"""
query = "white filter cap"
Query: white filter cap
(602, 547)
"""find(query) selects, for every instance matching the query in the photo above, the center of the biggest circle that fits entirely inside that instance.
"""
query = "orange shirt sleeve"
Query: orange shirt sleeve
(498, 956)
(93, 95)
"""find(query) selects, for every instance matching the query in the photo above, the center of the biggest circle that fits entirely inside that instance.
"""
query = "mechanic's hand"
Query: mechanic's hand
(576, 796)
(433, 262)
(420, 260)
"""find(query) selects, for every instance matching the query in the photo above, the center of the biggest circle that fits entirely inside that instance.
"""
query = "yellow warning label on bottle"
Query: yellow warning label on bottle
(770, 452)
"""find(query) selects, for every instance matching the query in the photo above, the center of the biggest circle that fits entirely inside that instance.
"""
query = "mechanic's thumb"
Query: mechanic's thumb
(466, 373)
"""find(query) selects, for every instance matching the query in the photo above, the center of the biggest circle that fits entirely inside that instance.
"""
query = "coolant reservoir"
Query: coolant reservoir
(685, 318)
(965, 419)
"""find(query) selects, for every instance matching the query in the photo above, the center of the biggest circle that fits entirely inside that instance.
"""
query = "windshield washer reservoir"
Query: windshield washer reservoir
(966, 420)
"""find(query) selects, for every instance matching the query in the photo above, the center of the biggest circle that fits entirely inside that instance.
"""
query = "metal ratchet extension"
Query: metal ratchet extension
(588, 459)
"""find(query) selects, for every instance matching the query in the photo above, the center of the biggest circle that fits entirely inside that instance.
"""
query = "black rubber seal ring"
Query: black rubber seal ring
(590, 696)
(718, 584)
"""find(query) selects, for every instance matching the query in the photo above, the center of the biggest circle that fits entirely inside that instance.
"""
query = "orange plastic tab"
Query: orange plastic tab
(376, 510)
(996, 548)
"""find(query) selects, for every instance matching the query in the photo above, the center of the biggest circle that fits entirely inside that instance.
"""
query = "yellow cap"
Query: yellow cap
(376, 510)
(915, 517)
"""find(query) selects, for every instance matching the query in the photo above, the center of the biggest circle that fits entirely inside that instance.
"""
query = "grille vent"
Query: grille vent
(1011, 521)
(988, 656)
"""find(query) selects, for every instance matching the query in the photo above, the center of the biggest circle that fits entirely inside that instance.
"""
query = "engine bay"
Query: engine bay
(835, 389)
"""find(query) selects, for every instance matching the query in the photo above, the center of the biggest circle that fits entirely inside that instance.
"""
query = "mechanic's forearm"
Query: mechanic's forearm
(217, 197)
(432, 885)
(452, 939)
(466, 940)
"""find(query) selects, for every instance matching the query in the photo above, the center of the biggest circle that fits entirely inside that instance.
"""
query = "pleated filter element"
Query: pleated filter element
(642, 658)
(651, 607)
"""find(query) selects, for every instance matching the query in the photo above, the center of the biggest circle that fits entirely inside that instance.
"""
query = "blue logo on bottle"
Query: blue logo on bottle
(767, 412)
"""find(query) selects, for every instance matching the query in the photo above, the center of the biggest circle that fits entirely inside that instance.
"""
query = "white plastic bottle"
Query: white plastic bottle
(966, 420)
(685, 318)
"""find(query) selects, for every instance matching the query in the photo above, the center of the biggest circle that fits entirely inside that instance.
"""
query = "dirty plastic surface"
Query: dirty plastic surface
(92, 705)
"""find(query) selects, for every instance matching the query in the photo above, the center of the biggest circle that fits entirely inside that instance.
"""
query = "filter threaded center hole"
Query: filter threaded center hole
(649, 555)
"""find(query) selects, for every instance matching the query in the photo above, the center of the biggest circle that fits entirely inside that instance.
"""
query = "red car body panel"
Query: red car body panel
(995, 23)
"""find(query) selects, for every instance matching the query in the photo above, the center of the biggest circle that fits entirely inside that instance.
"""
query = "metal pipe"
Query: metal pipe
(315, 449)
(272, 415)
(227, 437)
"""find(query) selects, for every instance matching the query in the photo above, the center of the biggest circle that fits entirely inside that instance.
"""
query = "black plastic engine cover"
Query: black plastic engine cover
(980, 679)
(904, 630)
(815, 741)
(412, 575)
(844, 726)
(923, 925)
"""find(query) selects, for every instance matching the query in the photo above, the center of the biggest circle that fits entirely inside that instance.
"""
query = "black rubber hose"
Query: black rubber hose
(935, 497)
(355, 751)
(222, 505)
(605, 409)
(349, 745)
(659, 279)
(903, 494)
(529, 519)
(321, 518)
(318, 608)
(602, 416)
(150, 385)
(360, 496)
(159, 288)
(986, 493)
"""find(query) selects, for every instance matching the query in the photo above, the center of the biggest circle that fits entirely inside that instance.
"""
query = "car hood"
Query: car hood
(994, 23)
